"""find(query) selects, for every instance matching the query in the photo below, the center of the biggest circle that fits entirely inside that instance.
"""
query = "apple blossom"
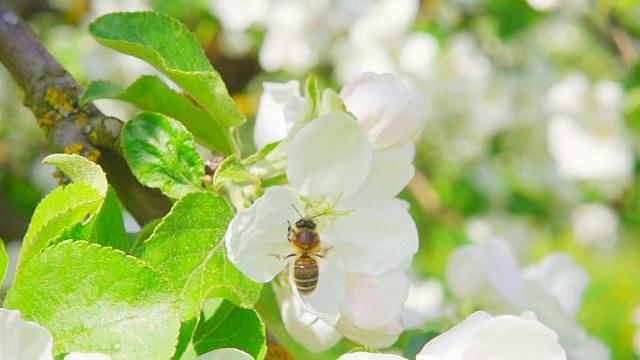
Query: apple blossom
(388, 110)
(370, 356)
(280, 106)
(425, 303)
(503, 337)
(365, 238)
(225, 354)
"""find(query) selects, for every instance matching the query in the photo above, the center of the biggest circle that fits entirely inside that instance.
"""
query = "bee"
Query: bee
(305, 241)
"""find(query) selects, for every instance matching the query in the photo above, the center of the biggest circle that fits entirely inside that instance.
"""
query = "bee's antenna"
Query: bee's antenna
(294, 208)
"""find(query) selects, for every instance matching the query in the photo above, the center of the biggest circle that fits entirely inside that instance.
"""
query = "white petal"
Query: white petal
(374, 302)
(509, 337)
(391, 170)
(225, 354)
(323, 301)
(374, 239)
(21, 339)
(370, 356)
(486, 274)
(389, 112)
(330, 156)
(451, 344)
(304, 327)
(86, 356)
(280, 106)
(378, 338)
(559, 274)
(258, 233)
(424, 303)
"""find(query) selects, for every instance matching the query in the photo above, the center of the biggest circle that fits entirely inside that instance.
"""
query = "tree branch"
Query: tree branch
(52, 95)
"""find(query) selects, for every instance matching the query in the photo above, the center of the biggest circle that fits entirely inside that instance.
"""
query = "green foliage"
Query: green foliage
(97, 299)
(108, 226)
(162, 154)
(225, 325)
(4, 261)
(150, 93)
(171, 48)
(188, 249)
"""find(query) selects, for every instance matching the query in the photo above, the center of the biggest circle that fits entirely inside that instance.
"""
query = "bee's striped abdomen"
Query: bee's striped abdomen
(305, 274)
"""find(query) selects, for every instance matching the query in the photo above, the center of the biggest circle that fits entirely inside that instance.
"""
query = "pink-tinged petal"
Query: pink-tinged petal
(331, 156)
(21, 339)
(487, 275)
(377, 338)
(324, 300)
(374, 302)
(280, 106)
(257, 237)
(304, 327)
(388, 111)
(391, 170)
(370, 356)
(374, 239)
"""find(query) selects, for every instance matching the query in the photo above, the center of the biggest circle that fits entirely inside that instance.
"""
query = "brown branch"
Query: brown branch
(52, 95)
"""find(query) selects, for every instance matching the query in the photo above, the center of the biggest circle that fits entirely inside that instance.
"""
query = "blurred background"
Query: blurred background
(531, 135)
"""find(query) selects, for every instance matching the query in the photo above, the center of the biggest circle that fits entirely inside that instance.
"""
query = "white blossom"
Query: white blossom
(280, 107)
(503, 337)
(595, 225)
(225, 354)
(328, 163)
(370, 356)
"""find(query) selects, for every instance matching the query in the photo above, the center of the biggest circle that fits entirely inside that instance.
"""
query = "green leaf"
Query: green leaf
(4, 262)
(184, 349)
(80, 170)
(108, 226)
(96, 299)
(100, 89)
(229, 326)
(150, 93)
(162, 154)
(62, 208)
(233, 171)
(188, 249)
(171, 48)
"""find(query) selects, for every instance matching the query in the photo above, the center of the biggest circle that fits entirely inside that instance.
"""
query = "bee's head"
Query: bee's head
(306, 223)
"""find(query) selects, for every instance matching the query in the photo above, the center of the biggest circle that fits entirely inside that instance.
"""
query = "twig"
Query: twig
(52, 95)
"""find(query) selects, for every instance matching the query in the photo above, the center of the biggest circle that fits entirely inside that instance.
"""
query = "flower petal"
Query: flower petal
(374, 239)
(86, 356)
(378, 338)
(330, 156)
(388, 111)
(21, 339)
(391, 170)
(280, 106)
(258, 233)
(304, 327)
(225, 354)
(324, 300)
(451, 344)
(370, 356)
(486, 274)
(374, 302)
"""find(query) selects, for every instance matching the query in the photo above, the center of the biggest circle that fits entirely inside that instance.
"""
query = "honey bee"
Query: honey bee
(305, 241)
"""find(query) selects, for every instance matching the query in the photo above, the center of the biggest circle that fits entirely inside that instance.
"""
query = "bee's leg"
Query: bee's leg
(281, 256)
(289, 231)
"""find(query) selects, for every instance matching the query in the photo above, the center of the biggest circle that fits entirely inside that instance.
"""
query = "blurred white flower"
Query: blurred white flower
(595, 225)
(562, 278)
(280, 107)
(21, 339)
(586, 133)
(503, 337)
(635, 319)
(328, 162)
(239, 16)
(425, 303)
(486, 275)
